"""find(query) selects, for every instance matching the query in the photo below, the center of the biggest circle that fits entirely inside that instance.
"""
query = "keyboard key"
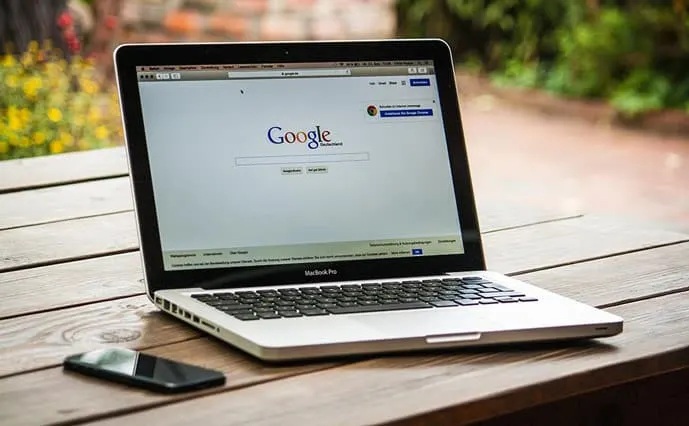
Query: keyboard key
(506, 294)
(246, 294)
(443, 303)
(268, 315)
(489, 290)
(467, 302)
(378, 308)
(470, 296)
(234, 307)
(290, 314)
(506, 300)
(469, 279)
(528, 299)
(473, 286)
(314, 312)
(245, 317)
(265, 292)
(488, 301)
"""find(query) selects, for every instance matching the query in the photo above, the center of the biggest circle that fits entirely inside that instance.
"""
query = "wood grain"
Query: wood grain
(87, 394)
(73, 405)
(61, 169)
(63, 241)
(635, 276)
(45, 339)
(449, 389)
(64, 202)
(658, 400)
(560, 242)
(68, 284)
(567, 241)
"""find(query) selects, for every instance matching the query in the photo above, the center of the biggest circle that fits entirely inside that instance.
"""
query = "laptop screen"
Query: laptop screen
(271, 164)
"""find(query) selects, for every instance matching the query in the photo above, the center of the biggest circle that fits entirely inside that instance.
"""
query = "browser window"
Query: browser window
(298, 163)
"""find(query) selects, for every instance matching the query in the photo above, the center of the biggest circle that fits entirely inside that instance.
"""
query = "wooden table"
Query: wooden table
(70, 281)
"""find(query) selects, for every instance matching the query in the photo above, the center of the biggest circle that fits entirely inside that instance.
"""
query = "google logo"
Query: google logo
(312, 138)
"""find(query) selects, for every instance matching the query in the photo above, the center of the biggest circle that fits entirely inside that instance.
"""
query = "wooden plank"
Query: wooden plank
(43, 339)
(18, 175)
(68, 284)
(636, 276)
(239, 370)
(563, 242)
(560, 241)
(658, 400)
(86, 397)
(448, 389)
(63, 241)
(80, 200)
(72, 283)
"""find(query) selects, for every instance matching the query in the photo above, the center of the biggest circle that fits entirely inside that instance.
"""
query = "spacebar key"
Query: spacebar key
(378, 308)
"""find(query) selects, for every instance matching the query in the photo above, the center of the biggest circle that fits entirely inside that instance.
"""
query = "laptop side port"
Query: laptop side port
(195, 318)
(187, 315)
(174, 308)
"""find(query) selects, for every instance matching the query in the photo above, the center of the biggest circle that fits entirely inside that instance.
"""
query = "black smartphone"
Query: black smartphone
(142, 370)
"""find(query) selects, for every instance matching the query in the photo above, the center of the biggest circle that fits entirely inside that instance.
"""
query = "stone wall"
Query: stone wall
(232, 20)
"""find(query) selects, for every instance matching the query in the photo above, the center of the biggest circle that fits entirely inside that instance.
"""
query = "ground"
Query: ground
(574, 166)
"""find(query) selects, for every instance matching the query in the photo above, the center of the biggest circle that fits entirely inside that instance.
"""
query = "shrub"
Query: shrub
(634, 54)
(50, 105)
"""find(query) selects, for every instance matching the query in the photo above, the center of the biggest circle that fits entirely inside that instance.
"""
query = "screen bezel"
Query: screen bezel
(128, 57)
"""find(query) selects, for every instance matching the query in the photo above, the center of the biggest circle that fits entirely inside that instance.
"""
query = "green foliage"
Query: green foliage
(634, 54)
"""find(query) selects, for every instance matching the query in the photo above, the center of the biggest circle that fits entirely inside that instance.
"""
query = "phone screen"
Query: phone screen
(143, 368)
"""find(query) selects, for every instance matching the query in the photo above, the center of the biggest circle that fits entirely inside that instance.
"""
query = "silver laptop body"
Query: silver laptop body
(312, 199)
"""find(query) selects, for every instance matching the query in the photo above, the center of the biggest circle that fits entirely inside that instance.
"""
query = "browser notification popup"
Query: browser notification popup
(401, 111)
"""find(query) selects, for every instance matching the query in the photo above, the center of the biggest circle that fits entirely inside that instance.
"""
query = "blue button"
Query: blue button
(406, 112)
(419, 81)
(416, 252)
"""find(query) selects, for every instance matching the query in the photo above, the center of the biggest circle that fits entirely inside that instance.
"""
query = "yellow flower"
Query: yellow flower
(89, 86)
(66, 138)
(4, 147)
(14, 123)
(94, 115)
(33, 46)
(83, 145)
(12, 81)
(31, 87)
(25, 115)
(24, 142)
(39, 137)
(54, 114)
(102, 132)
(8, 60)
(56, 147)
(27, 59)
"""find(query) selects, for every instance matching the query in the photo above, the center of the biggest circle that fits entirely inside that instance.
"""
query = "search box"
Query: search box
(286, 73)
(301, 159)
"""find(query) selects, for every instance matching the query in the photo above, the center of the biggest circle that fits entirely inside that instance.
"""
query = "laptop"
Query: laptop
(302, 200)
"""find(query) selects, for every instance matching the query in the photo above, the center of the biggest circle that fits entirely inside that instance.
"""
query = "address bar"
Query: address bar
(286, 73)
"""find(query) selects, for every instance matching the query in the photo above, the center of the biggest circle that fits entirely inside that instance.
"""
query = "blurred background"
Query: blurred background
(575, 105)
(630, 57)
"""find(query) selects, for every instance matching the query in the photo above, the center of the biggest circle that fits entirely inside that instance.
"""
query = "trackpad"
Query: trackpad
(429, 322)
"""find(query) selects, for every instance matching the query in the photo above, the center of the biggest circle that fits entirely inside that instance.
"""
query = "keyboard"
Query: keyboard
(360, 298)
